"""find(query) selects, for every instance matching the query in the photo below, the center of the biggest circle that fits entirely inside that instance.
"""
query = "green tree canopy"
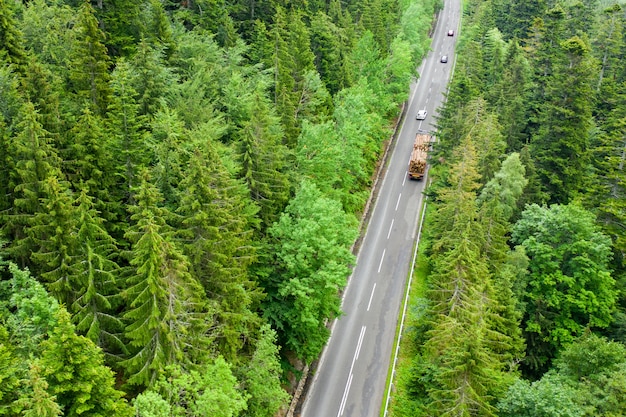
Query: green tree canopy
(570, 287)
(311, 249)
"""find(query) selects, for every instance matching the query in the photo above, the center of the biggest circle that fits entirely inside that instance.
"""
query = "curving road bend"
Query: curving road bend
(351, 375)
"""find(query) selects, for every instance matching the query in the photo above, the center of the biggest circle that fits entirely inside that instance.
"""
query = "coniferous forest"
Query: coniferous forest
(181, 184)
(520, 310)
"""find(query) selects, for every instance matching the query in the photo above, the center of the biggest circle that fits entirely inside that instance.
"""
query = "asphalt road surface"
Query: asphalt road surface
(350, 378)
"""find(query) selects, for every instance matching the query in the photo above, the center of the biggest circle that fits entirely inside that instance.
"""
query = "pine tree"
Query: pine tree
(457, 203)
(513, 98)
(261, 377)
(34, 161)
(560, 146)
(170, 150)
(40, 87)
(465, 345)
(216, 228)
(53, 233)
(150, 78)
(264, 161)
(326, 44)
(10, 102)
(76, 374)
(11, 42)
(292, 60)
(96, 275)
(158, 28)
(127, 129)
(37, 402)
(89, 70)
(122, 22)
(166, 315)
(89, 164)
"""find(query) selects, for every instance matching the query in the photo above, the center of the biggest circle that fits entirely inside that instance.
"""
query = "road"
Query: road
(351, 375)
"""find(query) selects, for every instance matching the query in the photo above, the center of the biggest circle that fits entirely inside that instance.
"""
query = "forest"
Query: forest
(181, 185)
(520, 309)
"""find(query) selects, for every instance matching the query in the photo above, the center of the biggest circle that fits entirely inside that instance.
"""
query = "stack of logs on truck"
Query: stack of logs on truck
(417, 165)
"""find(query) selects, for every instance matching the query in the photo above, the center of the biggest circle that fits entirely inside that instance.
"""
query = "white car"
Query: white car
(421, 114)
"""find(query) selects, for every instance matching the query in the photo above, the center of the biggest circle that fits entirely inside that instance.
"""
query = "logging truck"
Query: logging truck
(417, 164)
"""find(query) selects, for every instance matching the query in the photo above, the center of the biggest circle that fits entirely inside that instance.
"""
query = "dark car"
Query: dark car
(450, 32)
(444, 58)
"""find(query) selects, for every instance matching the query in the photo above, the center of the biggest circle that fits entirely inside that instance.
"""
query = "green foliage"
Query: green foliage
(96, 275)
(209, 391)
(166, 306)
(89, 62)
(327, 44)
(587, 380)
(34, 161)
(11, 44)
(310, 248)
(127, 132)
(77, 377)
(37, 402)
(151, 404)
(264, 160)
(560, 150)
(570, 287)
(261, 377)
(465, 345)
(545, 398)
(216, 218)
(47, 28)
(211, 103)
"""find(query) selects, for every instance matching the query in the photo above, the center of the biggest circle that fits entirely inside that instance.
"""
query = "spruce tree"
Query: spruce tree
(560, 146)
(170, 150)
(261, 377)
(216, 228)
(76, 374)
(34, 161)
(326, 40)
(97, 278)
(465, 346)
(128, 133)
(166, 314)
(11, 42)
(512, 101)
(264, 161)
(89, 69)
(55, 247)
(37, 401)
(150, 78)
(89, 164)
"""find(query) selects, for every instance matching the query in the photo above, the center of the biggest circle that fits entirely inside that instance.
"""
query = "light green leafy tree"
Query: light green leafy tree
(545, 398)
(312, 261)
(570, 287)
(211, 390)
